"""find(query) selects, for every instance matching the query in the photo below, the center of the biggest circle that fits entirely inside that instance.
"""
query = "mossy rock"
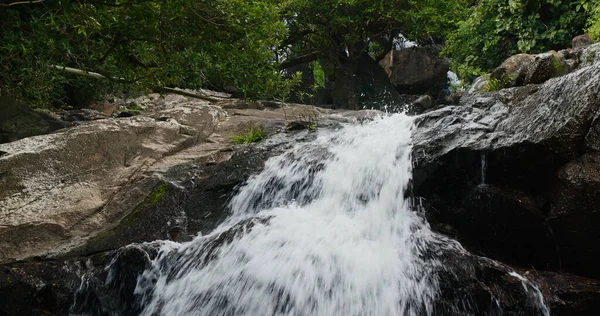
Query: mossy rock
(148, 221)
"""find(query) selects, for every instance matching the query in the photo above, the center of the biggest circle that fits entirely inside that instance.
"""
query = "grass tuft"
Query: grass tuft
(253, 134)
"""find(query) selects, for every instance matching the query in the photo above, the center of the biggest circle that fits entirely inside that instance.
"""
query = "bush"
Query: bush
(498, 29)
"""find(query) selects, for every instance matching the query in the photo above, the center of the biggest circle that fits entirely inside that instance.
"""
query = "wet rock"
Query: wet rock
(575, 216)
(507, 225)
(108, 289)
(568, 294)
(470, 285)
(415, 70)
(192, 199)
(514, 140)
(37, 288)
(423, 103)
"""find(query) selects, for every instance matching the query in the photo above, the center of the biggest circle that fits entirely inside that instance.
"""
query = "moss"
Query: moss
(152, 198)
(560, 68)
(106, 240)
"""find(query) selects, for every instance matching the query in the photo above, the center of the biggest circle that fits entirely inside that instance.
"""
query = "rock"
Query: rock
(510, 225)
(82, 115)
(18, 121)
(476, 87)
(363, 84)
(416, 70)
(587, 55)
(240, 104)
(38, 288)
(471, 285)
(544, 67)
(58, 190)
(574, 214)
(424, 102)
(512, 69)
(568, 295)
(129, 113)
(513, 140)
(581, 41)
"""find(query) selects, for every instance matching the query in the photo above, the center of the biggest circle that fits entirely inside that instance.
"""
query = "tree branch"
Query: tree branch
(20, 2)
(95, 75)
(300, 60)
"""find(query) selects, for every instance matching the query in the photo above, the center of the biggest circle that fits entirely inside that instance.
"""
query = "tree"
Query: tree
(497, 29)
(140, 45)
(351, 36)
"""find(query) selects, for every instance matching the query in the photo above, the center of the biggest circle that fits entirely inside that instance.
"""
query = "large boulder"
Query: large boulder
(514, 141)
(416, 70)
(60, 189)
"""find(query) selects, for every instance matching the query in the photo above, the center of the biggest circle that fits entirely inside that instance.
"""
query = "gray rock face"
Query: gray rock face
(60, 189)
(415, 70)
(556, 114)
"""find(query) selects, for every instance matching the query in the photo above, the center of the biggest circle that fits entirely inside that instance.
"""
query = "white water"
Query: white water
(331, 234)
(325, 229)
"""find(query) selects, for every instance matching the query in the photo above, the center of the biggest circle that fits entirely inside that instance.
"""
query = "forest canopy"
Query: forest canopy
(142, 46)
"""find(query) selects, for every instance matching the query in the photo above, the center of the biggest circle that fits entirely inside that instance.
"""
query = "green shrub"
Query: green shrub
(253, 134)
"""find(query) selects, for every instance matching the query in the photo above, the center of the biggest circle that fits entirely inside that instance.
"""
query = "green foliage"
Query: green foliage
(142, 44)
(251, 135)
(497, 29)
(593, 24)
(495, 84)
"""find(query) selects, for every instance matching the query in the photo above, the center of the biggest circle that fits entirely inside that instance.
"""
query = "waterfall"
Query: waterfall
(325, 229)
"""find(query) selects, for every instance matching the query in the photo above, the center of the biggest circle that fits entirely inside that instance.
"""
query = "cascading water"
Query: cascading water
(325, 229)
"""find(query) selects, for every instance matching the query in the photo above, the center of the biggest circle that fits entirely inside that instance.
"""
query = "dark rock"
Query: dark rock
(18, 121)
(470, 286)
(512, 70)
(82, 115)
(575, 215)
(544, 67)
(300, 125)
(361, 84)
(37, 288)
(507, 225)
(514, 140)
(416, 70)
(110, 289)
(568, 295)
(592, 139)
(581, 41)
(129, 113)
